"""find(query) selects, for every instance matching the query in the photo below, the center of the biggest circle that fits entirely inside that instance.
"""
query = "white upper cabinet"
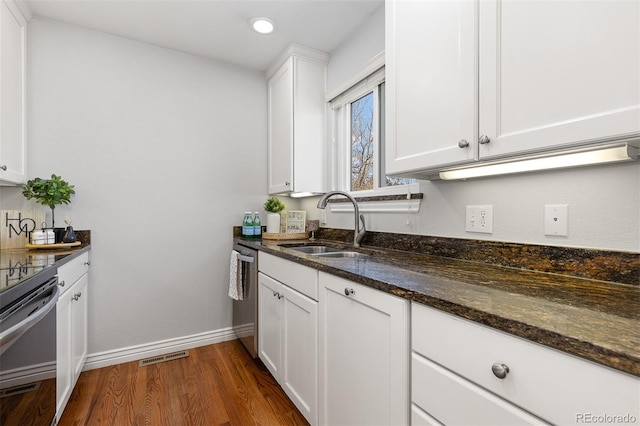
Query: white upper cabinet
(13, 54)
(296, 93)
(470, 80)
(558, 73)
(431, 84)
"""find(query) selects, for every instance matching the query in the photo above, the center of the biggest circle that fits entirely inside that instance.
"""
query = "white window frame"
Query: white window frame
(340, 152)
(341, 110)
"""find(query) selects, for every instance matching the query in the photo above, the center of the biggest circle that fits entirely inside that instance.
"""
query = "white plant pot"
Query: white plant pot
(273, 223)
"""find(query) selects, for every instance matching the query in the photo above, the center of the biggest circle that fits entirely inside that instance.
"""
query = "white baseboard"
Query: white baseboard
(29, 374)
(134, 353)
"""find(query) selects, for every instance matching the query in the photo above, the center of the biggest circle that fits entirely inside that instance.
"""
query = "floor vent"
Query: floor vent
(163, 358)
(16, 390)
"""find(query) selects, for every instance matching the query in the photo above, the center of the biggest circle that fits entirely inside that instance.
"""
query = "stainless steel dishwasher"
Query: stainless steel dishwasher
(245, 312)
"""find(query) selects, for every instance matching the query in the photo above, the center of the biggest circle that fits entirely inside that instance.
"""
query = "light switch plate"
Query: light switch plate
(556, 220)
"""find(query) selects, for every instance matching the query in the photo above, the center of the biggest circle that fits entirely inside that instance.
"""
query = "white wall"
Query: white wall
(362, 45)
(604, 201)
(166, 151)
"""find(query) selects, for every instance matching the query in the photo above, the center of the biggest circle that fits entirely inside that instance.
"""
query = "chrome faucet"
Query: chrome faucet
(358, 234)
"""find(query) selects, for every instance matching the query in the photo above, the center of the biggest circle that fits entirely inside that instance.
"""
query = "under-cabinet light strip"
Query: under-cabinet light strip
(609, 154)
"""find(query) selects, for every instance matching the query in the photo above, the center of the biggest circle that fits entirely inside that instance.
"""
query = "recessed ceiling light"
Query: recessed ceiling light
(262, 25)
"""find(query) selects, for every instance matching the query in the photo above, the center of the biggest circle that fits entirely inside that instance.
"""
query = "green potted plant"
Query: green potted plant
(273, 206)
(49, 192)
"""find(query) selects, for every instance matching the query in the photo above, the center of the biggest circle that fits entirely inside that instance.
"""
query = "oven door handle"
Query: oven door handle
(243, 258)
(10, 335)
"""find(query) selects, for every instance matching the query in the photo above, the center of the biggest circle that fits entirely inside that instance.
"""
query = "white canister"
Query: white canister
(273, 223)
(45, 236)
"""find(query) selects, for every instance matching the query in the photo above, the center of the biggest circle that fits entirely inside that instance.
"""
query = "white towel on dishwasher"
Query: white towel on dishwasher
(236, 291)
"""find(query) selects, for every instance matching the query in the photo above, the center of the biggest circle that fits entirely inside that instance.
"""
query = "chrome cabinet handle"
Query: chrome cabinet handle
(348, 291)
(500, 370)
(287, 183)
(463, 143)
(61, 283)
(88, 262)
(3, 167)
(77, 296)
(278, 295)
(484, 139)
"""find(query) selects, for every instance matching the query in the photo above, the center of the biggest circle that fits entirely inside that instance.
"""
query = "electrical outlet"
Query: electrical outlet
(479, 219)
(556, 220)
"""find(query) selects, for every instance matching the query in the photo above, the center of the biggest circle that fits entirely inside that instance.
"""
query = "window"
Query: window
(362, 138)
(358, 137)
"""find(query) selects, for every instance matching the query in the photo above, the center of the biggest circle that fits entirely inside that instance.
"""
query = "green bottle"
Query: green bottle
(257, 227)
(247, 226)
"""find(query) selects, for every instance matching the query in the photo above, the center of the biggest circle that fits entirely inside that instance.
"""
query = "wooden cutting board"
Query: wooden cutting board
(16, 227)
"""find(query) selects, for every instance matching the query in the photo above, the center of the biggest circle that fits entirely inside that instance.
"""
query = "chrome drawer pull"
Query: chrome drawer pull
(500, 370)
(348, 291)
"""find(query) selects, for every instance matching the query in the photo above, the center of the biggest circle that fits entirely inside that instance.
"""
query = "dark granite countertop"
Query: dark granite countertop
(595, 320)
(17, 265)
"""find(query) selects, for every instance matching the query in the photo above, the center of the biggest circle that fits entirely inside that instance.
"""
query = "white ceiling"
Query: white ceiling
(217, 29)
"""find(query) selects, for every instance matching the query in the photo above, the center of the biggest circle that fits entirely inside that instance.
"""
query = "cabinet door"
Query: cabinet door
(280, 141)
(431, 84)
(64, 334)
(309, 125)
(12, 94)
(269, 331)
(299, 374)
(558, 73)
(363, 355)
(79, 325)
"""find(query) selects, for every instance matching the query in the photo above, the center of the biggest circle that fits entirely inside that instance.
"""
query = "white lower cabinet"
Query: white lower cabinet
(288, 333)
(348, 354)
(364, 353)
(453, 400)
(453, 378)
(71, 334)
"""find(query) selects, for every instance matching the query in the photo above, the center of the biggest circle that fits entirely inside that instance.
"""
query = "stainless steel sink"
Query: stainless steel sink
(341, 254)
(324, 251)
(315, 249)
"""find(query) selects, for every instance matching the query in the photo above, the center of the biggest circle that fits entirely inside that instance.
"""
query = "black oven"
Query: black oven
(28, 345)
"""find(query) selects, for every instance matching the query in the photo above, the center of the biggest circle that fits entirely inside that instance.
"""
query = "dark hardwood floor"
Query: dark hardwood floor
(216, 385)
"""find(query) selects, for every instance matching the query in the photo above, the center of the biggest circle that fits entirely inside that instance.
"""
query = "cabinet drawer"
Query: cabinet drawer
(420, 418)
(71, 271)
(298, 277)
(453, 400)
(553, 385)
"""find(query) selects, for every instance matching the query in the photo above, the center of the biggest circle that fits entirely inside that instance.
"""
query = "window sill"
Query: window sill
(404, 199)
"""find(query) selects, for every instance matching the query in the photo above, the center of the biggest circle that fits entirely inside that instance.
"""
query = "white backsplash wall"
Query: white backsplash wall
(604, 208)
(166, 151)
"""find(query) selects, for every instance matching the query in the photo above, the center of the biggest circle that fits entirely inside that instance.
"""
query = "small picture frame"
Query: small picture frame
(296, 221)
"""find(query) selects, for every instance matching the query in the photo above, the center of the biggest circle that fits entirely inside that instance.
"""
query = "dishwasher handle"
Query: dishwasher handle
(244, 258)
(9, 336)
